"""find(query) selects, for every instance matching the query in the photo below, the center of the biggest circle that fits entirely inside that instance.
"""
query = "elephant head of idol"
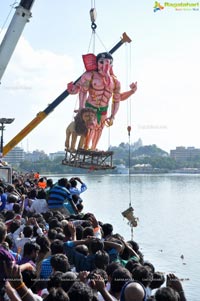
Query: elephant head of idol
(104, 64)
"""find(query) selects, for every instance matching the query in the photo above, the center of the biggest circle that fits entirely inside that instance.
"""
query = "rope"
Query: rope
(129, 123)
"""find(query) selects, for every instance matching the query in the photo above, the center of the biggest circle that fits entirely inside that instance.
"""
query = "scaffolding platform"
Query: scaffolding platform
(87, 159)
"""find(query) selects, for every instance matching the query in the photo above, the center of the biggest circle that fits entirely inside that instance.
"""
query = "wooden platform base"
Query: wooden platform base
(94, 160)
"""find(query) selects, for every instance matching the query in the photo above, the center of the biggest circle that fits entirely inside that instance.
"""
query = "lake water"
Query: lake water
(168, 208)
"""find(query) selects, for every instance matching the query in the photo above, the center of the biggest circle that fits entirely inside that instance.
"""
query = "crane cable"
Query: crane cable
(129, 213)
(129, 119)
(93, 16)
(129, 123)
(4, 24)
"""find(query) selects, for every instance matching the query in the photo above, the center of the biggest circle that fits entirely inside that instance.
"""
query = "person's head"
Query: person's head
(73, 182)
(101, 259)
(111, 267)
(49, 183)
(63, 182)
(68, 280)
(10, 214)
(96, 245)
(44, 244)
(80, 291)
(52, 233)
(31, 250)
(76, 199)
(134, 245)
(59, 262)
(54, 223)
(32, 193)
(83, 249)
(57, 247)
(131, 264)
(87, 231)
(41, 194)
(9, 241)
(107, 229)
(16, 208)
(149, 266)
(158, 280)
(10, 188)
(166, 294)
(133, 291)
(14, 225)
(119, 278)
(79, 232)
(79, 207)
(142, 274)
(28, 231)
(55, 280)
(48, 215)
(12, 198)
(3, 232)
(57, 294)
(29, 278)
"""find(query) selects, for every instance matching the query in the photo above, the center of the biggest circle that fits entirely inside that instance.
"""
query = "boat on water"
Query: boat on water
(121, 169)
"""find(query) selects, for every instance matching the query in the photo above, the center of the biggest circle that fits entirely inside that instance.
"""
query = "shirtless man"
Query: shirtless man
(95, 90)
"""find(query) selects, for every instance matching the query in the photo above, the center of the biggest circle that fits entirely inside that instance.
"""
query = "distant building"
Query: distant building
(53, 156)
(35, 156)
(182, 153)
(15, 156)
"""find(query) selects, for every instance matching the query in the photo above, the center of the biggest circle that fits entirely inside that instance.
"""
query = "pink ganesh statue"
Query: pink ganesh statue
(96, 88)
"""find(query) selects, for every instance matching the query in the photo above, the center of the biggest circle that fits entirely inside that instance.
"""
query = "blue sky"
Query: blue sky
(163, 58)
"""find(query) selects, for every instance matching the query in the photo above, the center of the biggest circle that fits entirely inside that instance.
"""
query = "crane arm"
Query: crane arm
(13, 33)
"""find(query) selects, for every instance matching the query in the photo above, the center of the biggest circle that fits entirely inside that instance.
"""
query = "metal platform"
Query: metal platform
(95, 160)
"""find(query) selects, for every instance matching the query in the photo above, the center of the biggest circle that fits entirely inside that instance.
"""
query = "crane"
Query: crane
(13, 33)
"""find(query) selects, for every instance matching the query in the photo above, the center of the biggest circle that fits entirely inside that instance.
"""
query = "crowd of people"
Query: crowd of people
(52, 248)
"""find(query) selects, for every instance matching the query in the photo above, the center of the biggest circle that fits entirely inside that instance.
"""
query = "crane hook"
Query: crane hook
(93, 16)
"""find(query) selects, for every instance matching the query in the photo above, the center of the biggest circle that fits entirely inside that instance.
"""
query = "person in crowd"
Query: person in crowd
(133, 291)
(40, 203)
(119, 278)
(59, 262)
(46, 268)
(58, 195)
(44, 251)
(143, 275)
(49, 186)
(16, 289)
(6, 259)
(74, 189)
(57, 294)
(11, 200)
(2, 199)
(9, 241)
(107, 230)
(30, 254)
(27, 234)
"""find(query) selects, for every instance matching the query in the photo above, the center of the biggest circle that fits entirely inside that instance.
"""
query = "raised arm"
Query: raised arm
(175, 283)
(127, 94)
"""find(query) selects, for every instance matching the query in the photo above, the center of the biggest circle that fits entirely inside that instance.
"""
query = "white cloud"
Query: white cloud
(33, 79)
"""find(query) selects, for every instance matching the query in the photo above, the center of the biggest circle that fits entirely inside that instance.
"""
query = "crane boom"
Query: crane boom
(42, 115)
(13, 33)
